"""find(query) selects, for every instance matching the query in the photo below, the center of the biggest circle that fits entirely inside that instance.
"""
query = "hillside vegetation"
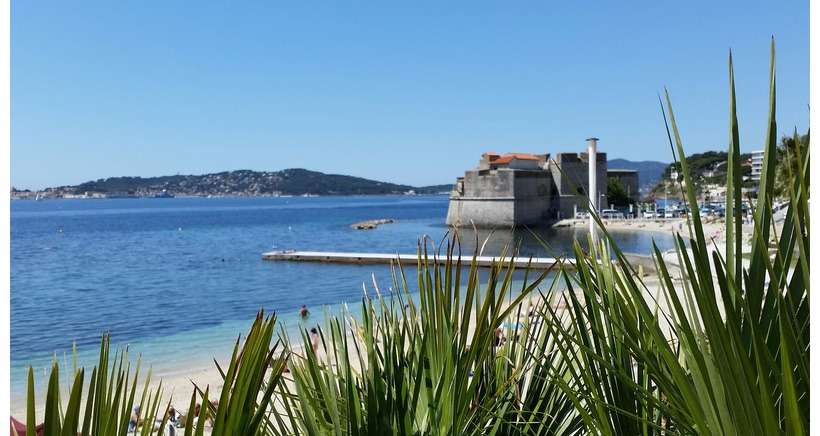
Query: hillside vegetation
(709, 168)
(705, 168)
(295, 181)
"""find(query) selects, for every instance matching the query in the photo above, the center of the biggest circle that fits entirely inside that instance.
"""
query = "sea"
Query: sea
(176, 280)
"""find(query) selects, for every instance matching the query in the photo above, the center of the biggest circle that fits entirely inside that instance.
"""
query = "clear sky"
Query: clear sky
(403, 93)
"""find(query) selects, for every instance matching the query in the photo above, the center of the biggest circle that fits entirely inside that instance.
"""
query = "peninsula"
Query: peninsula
(240, 183)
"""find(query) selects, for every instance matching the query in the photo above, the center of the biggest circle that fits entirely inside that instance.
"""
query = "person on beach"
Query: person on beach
(209, 420)
(314, 339)
(499, 337)
(304, 312)
(20, 429)
(135, 419)
(194, 416)
(171, 425)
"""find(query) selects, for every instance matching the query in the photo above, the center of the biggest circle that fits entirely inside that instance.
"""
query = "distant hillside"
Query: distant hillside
(295, 181)
(708, 168)
(434, 189)
(649, 171)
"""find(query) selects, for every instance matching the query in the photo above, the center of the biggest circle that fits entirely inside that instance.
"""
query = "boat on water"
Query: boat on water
(164, 194)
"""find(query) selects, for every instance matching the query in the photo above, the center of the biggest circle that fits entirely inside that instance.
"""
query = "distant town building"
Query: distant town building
(757, 165)
(716, 170)
(629, 180)
(522, 189)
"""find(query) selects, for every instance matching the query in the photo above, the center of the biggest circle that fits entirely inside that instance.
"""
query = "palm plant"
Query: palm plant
(788, 165)
(246, 401)
(243, 406)
(427, 367)
(731, 355)
(109, 400)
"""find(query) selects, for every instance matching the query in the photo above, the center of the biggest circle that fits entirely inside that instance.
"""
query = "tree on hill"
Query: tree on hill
(616, 193)
(708, 168)
(698, 163)
(787, 161)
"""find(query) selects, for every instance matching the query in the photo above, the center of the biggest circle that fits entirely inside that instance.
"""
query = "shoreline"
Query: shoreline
(218, 196)
(713, 228)
(178, 378)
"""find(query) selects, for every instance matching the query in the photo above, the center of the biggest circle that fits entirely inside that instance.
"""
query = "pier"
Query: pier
(404, 259)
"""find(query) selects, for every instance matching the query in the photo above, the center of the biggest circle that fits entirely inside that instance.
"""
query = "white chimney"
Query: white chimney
(592, 151)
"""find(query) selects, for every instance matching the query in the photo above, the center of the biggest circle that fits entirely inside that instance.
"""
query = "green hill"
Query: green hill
(294, 181)
(706, 168)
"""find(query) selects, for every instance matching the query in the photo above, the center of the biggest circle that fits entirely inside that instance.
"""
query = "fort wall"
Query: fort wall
(532, 192)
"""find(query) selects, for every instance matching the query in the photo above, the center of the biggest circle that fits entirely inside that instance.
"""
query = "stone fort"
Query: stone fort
(521, 189)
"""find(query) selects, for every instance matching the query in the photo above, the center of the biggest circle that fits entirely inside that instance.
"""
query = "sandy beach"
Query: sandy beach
(713, 228)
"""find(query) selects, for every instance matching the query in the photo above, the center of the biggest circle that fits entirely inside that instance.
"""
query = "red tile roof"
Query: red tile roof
(510, 156)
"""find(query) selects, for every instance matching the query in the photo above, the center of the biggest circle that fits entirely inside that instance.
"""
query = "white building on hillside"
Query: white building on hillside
(757, 165)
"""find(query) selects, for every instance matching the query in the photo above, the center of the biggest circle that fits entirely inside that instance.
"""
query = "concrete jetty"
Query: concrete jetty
(404, 259)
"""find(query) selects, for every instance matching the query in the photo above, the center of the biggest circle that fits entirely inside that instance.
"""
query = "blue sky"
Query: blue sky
(404, 93)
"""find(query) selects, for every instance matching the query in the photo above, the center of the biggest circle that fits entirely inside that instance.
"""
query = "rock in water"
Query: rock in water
(371, 224)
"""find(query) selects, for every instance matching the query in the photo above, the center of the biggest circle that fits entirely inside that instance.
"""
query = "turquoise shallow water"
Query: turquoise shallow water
(178, 279)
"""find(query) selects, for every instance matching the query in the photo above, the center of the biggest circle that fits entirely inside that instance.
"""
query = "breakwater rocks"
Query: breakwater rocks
(371, 224)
